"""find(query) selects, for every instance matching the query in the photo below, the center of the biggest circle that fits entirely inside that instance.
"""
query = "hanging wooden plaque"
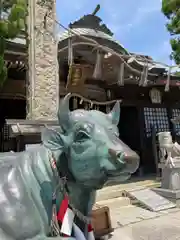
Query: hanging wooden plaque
(77, 76)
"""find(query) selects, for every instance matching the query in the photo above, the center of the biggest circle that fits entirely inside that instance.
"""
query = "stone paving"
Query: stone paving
(134, 223)
(132, 214)
(114, 191)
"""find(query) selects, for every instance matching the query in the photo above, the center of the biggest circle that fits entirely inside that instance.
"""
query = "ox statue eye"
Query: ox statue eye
(115, 132)
(81, 136)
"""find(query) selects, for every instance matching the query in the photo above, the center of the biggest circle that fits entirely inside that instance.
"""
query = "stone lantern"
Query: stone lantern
(170, 166)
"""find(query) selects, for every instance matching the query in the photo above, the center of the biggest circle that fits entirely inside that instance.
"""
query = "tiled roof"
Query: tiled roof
(142, 62)
(78, 31)
(88, 32)
(95, 33)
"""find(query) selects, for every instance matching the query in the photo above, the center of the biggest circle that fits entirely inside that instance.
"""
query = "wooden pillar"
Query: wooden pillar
(141, 135)
(20, 143)
(43, 80)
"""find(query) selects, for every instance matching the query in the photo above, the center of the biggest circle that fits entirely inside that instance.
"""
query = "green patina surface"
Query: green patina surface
(88, 152)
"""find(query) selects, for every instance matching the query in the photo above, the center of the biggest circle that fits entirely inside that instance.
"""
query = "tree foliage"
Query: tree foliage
(171, 9)
(177, 74)
(12, 21)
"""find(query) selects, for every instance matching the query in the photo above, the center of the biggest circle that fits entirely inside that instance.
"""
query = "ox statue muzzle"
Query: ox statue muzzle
(130, 158)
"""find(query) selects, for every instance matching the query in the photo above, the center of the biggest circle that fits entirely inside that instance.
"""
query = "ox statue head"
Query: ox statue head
(88, 144)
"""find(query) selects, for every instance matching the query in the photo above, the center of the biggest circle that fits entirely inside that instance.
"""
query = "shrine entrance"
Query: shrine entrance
(129, 127)
(10, 109)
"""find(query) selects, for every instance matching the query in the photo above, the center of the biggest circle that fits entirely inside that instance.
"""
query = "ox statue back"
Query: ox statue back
(86, 152)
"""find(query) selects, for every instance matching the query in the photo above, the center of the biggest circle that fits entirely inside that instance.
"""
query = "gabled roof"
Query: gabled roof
(90, 32)
(91, 26)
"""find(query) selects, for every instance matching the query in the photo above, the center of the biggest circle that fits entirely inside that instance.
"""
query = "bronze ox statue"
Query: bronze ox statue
(87, 152)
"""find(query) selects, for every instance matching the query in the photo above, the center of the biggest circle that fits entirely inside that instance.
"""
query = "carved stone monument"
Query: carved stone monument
(170, 166)
(43, 79)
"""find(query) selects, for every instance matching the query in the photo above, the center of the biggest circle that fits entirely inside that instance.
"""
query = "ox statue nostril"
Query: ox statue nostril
(112, 153)
(130, 159)
(116, 154)
(117, 157)
(120, 155)
(132, 162)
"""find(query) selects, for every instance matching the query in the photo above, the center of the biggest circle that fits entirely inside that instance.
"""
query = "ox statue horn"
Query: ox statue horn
(114, 115)
(64, 112)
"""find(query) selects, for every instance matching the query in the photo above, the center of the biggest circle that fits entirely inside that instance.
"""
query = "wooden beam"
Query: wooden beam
(32, 122)
(16, 53)
(29, 127)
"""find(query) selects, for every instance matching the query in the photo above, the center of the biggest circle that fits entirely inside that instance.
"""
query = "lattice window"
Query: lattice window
(156, 117)
(5, 132)
(175, 113)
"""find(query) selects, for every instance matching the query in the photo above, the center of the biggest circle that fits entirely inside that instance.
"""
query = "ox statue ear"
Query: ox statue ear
(52, 139)
(64, 113)
(114, 115)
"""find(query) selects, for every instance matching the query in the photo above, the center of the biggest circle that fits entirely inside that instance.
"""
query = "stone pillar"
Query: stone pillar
(43, 79)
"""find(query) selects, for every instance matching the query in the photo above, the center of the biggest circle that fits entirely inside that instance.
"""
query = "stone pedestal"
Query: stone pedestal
(43, 80)
(170, 185)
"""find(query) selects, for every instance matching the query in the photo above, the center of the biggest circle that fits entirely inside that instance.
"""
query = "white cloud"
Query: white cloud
(122, 16)
(145, 10)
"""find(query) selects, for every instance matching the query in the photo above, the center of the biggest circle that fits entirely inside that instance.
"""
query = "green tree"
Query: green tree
(171, 9)
(177, 74)
(12, 22)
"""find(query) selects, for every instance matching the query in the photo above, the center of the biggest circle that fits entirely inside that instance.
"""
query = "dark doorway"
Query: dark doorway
(129, 128)
(10, 109)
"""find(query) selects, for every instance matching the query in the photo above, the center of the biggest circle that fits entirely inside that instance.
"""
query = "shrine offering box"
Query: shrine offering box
(101, 221)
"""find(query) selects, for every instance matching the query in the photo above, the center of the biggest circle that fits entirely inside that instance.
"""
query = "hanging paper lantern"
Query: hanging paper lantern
(91, 105)
(168, 80)
(145, 81)
(75, 103)
(98, 66)
(155, 95)
(108, 94)
(121, 75)
(143, 73)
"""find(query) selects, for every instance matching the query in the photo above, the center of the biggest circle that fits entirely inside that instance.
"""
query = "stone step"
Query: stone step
(118, 190)
(115, 202)
(123, 216)
(130, 214)
(110, 194)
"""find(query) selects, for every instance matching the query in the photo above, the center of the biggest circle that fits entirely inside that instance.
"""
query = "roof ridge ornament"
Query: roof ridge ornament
(96, 10)
(92, 21)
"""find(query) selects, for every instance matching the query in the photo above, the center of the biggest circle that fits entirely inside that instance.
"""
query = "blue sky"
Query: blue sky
(138, 25)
